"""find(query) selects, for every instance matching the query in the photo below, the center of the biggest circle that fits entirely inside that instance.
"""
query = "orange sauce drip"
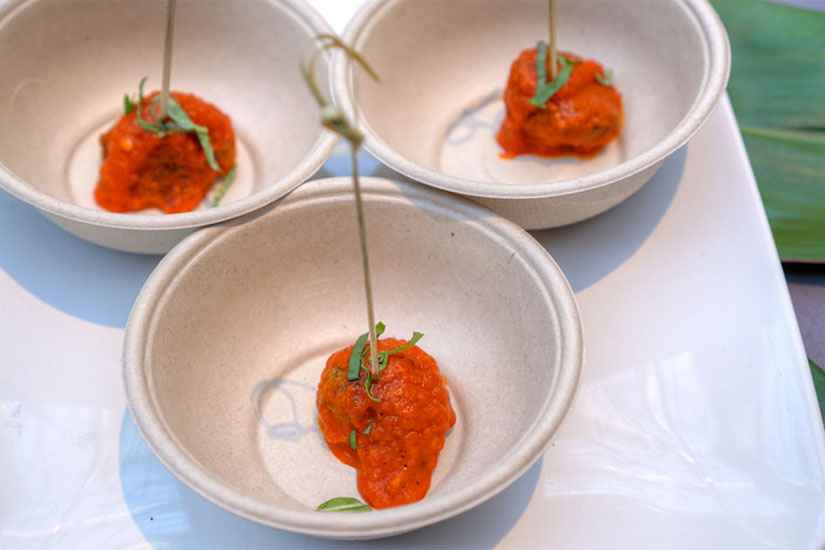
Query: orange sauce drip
(141, 170)
(580, 119)
(395, 460)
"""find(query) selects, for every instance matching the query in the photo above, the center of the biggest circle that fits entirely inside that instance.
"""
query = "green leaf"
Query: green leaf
(384, 357)
(541, 65)
(159, 129)
(819, 385)
(156, 128)
(778, 63)
(547, 91)
(790, 170)
(777, 88)
(607, 79)
(355, 357)
(352, 442)
(359, 351)
(140, 97)
(128, 104)
(358, 358)
(180, 122)
(413, 341)
(343, 504)
(368, 386)
(185, 124)
(368, 430)
(379, 330)
(227, 181)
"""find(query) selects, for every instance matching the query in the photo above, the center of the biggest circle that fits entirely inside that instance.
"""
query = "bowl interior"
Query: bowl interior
(238, 329)
(67, 65)
(444, 66)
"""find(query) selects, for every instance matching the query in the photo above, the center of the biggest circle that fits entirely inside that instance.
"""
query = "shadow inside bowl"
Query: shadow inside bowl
(170, 515)
(590, 250)
(79, 278)
(470, 151)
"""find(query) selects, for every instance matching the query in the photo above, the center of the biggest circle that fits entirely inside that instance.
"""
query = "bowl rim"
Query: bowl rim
(309, 164)
(557, 403)
(717, 48)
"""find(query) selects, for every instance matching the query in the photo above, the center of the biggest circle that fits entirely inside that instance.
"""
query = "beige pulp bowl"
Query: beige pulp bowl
(444, 65)
(227, 340)
(67, 65)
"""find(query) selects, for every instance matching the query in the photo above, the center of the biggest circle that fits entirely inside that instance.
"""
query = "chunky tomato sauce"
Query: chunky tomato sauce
(579, 119)
(406, 430)
(141, 170)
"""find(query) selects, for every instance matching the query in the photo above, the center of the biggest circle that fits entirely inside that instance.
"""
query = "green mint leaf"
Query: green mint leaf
(139, 105)
(384, 357)
(607, 79)
(128, 104)
(227, 181)
(541, 65)
(343, 504)
(160, 129)
(819, 385)
(547, 91)
(180, 122)
(355, 358)
(359, 352)
(185, 124)
(368, 386)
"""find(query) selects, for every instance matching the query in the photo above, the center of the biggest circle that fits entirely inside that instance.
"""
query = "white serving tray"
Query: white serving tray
(695, 426)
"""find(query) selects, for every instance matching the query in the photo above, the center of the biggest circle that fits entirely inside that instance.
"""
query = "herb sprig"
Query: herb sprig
(607, 79)
(179, 122)
(344, 504)
(360, 352)
(545, 90)
(227, 181)
(128, 104)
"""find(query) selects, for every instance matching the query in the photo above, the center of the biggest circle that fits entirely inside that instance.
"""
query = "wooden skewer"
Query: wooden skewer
(167, 56)
(365, 262)
(551, 54)
(334, 119)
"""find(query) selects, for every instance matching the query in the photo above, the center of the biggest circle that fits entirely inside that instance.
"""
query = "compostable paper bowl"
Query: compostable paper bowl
(227, 340)
(67, 65)
(443, 67)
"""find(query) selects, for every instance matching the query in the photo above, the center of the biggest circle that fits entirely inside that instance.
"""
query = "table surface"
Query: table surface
(695, 424)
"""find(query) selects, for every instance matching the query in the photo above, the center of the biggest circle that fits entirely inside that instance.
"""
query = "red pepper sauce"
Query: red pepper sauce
(141, 170)
(395, 460)
(580, 119)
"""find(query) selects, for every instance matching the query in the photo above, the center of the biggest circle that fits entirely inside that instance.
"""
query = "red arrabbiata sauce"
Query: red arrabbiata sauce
(579, 119)
(141, 170)
(397, 456)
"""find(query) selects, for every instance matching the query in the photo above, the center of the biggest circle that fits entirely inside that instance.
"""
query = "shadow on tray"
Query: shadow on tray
(588, 251)
(79, 278)
(172, 516)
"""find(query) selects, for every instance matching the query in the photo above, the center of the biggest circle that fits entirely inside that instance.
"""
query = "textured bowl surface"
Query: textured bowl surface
(66, 66)
(434, 115)
(228, 338)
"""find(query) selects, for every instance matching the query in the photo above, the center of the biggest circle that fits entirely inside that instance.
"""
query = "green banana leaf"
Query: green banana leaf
(819, 385)
(790, 168)
(777, 87)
